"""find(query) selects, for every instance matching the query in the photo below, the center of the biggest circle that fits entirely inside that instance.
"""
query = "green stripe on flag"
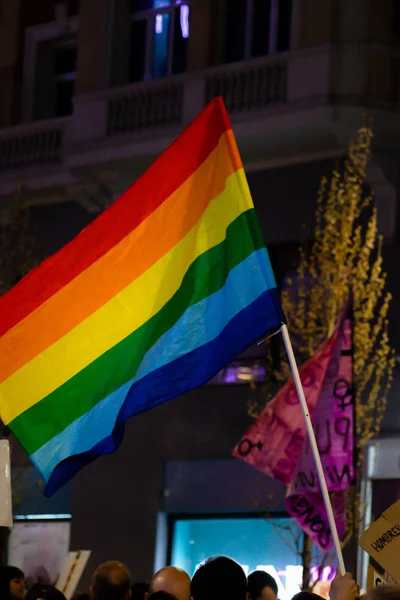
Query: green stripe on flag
(205, 276)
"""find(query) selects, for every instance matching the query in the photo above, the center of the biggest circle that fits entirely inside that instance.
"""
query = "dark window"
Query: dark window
(65, 57)
(138, 50)
(396, 18)
(284, 25)
(65, 60)
(256, 28)
(64, 97)
(54, 79)
(261, 27)
(235, 35)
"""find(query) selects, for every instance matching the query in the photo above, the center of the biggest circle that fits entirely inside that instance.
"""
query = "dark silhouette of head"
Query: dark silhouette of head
(219, 578)
(111, 581)
(307, 596)
(139, 590)
(262, 586)
(44, 592)
(172, 580)
(12, 581)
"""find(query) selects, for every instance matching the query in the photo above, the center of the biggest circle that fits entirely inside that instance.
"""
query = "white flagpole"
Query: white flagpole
(314, 447)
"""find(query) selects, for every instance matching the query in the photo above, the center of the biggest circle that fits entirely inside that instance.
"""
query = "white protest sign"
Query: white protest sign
(5, 485)
(72, 572)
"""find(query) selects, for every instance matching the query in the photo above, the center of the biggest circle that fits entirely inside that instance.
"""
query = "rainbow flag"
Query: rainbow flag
(151, 300)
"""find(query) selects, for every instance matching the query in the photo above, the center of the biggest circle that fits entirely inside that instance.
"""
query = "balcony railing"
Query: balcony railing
(145, 107)
(160, 104)
(31, 145)
(145, 111)
(253, 86)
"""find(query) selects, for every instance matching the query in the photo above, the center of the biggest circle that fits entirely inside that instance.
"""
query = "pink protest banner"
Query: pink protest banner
(333, 419)
(274, 442)
(277, 444)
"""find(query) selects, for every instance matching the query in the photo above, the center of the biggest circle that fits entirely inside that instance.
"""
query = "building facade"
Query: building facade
(92, 91)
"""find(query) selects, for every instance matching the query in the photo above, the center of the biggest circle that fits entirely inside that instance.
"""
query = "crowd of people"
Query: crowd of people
(218, 578)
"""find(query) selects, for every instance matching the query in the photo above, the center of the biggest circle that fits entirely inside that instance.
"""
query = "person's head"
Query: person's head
(12, 583)
(173, 581)
(44, 592)
(219, 578)
(306, 596)
(262, 586)
(139, 590)
(111, 581)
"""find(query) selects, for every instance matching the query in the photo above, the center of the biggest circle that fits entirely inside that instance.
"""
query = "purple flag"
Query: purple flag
(333, 422)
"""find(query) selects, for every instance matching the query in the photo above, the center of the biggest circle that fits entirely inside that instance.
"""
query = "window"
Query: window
(64, 78)
(254, 542)
(159, 38)
(50, 58)
(396, 19)
(256, 28)
(54, 78)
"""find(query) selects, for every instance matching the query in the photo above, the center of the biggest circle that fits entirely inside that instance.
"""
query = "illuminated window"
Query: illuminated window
(256, 28)
(241, 373)
(255, 543)
(159, 38)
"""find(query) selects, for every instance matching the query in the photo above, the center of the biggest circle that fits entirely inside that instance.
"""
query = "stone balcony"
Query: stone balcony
(33, 145)
(281, 107)
(136, 122)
